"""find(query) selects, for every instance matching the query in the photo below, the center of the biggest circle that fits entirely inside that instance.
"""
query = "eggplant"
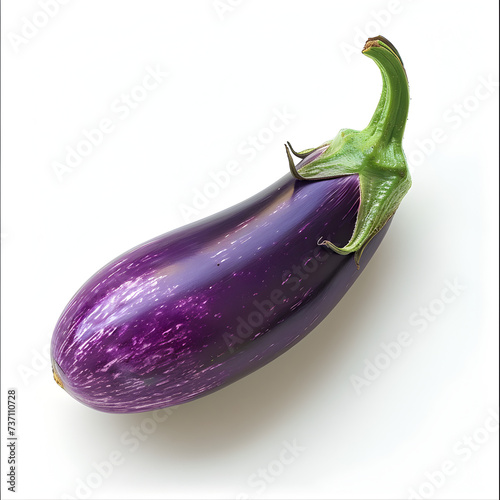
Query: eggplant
(195, 309)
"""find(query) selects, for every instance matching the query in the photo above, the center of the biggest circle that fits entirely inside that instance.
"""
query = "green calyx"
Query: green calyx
(375, 154)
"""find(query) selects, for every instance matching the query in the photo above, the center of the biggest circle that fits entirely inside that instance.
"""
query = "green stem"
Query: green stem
(389, 120)
(375, 154)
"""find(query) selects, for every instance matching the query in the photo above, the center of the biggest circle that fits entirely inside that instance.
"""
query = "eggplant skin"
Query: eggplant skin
(197, 308)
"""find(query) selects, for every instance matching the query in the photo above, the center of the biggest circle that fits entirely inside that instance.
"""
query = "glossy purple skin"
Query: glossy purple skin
(198, 308)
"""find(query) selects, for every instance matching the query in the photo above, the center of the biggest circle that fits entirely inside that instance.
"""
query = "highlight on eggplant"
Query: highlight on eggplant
(195, 309)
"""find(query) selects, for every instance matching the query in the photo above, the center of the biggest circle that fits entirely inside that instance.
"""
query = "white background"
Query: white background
(229, 70)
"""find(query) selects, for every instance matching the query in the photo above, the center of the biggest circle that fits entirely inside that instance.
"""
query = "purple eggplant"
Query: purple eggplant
(196, 309)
